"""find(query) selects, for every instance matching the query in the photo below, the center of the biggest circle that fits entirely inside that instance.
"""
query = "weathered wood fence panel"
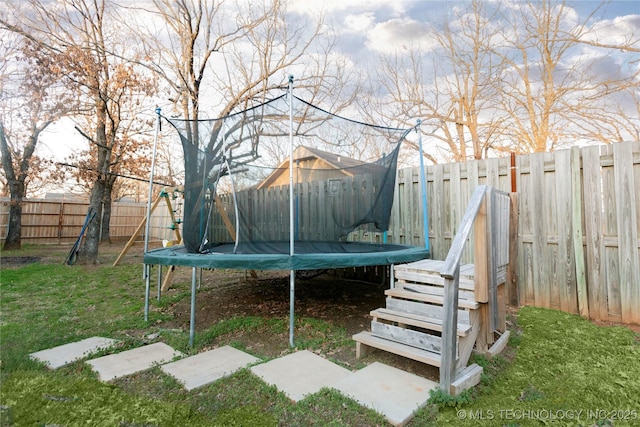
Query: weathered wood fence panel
(319, 208)
(47, 221)
(604, 283)
(449, 188)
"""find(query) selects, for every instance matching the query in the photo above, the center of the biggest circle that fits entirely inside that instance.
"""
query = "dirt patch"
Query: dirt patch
(340, 302)
(16, 261)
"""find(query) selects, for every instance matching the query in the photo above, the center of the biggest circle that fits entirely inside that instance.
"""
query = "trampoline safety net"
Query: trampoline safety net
(238, 174)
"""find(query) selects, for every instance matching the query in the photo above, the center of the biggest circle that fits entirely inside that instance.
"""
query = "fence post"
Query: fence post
(512, 267)
(576, 231)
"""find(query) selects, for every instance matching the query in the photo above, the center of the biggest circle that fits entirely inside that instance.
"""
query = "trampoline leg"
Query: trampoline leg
(159, 281)
(192, 327)
(392, 279)
(147, 280)
(292, 303)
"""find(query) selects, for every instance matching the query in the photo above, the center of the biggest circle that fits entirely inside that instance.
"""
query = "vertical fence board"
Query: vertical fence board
(542, 295)
(439, 251)
(594, 239)
(627, 232)
(565, 260)
(577, 233)
(455, 199)
(610, 227)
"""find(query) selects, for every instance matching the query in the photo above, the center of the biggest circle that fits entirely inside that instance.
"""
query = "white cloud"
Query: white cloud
(337, 6)
(360, 22)
(397, 33)
(618, 30)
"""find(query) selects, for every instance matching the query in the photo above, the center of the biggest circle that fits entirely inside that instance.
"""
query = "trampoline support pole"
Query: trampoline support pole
(192, 322)
(292, 303)
(292, 222)
(392, 279)
(147, 290)
(159, 281)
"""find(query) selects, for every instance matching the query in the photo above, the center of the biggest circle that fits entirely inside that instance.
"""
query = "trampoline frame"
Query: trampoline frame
(370, 254)
(382, 254)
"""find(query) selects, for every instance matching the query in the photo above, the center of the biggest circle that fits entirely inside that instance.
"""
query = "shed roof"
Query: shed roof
(347, 165)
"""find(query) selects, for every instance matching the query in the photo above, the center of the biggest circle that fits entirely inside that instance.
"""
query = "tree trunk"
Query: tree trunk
(88, 253)
(16, 190)
(105, 235)
(14, 232)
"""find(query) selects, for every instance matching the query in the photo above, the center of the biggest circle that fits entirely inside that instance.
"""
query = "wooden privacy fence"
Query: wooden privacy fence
(577, 235)
(320, 207)
(54, 221)
(579, 217)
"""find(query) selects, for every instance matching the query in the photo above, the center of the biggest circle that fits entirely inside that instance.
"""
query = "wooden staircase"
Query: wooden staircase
(424, 303)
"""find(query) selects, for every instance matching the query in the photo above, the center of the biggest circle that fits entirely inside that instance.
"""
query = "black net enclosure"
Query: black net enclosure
(285, 177)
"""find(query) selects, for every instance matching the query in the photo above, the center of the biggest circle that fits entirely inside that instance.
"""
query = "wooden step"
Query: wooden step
(431, 289)
(434, 299)
(418, 339)
(365, 341)
(428, 272)
(422, 309)
(416, 320)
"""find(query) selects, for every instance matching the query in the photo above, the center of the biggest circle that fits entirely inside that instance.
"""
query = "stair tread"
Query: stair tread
(435, 299)
(404, 350)
(466, 282)
(434, 266)
(416, 320)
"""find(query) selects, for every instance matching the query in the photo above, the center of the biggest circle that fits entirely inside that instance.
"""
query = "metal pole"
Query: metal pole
(192, 324)
(423, 187)
(147, 289)
(292, 278)
(147, 269)
(159, 281)
(392, 278)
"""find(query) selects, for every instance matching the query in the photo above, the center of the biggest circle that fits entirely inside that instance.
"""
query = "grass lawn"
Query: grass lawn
(560, 369)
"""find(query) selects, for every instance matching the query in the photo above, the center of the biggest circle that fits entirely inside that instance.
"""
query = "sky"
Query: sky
(369, 28)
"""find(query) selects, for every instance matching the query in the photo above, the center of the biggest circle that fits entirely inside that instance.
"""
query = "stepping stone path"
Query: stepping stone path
(394, 393)
(390, 391)
(205, 368)
(300, 374)
(63, 355)
(132, 361)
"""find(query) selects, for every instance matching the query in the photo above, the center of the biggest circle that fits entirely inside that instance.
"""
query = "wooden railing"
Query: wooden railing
(487, 215)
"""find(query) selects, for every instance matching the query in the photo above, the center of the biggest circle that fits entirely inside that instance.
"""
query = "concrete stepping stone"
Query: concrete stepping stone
(66, 354)
(300, 374)
(209, 366)
(390, 391)
(131, 361)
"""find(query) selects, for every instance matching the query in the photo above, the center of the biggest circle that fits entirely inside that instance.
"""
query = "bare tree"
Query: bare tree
(88, 48)
(552, 94)
(239, 54)
(457, 104)
(222, 57)
(31, 99)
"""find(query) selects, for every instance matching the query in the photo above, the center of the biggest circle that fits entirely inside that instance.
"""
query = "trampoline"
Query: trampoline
(307, 256)
(246, 207)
